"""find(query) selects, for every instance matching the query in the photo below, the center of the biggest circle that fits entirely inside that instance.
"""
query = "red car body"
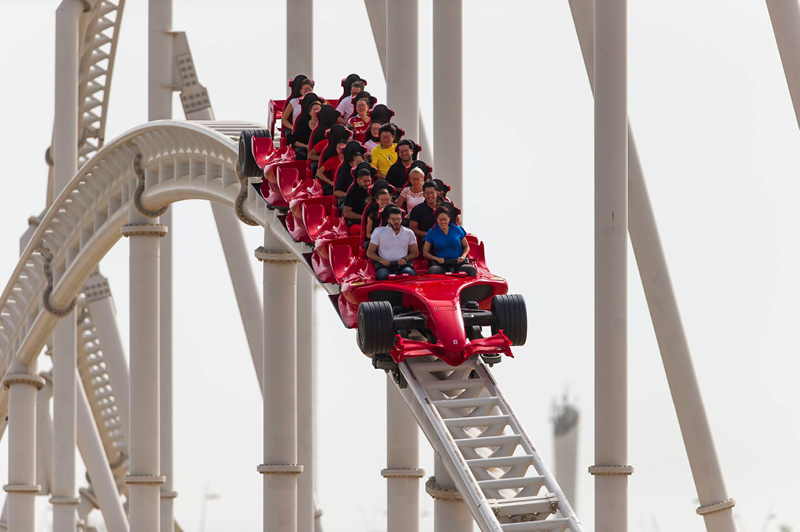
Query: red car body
(339, 257)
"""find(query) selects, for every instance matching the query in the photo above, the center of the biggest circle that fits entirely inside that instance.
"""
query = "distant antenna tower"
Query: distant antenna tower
(565, 418)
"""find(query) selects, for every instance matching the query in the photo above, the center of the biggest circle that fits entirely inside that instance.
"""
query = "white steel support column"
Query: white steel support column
(447, 95)
(64, 490)
(402, 94)
(160, 70)
(280, 467)
(299, 38)
(402, 63)
(402, 471)
(450, 513)
(611, 245)
(785, 16)
(65, 163)
(145, 477)
(22, 383)
(306, 362)
(376, 11)
(94, 457)
(715, 505)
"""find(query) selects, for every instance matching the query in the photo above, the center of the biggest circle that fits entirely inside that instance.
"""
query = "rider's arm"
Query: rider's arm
(287, 114)
(322, 177)
(426, 252)
(349, 214)
(413, 252)
(414, 226)
(369, 227)
(372, 253)
(464, 248)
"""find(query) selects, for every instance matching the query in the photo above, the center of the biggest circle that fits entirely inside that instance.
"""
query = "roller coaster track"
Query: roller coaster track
(97, 54)
(460, 409)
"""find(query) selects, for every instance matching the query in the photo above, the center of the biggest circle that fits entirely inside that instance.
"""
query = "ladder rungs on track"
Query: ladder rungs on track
(489, 441)
(461, 384)
(465, 403)
(511, 483)
(503, 461)
(477, 421)
(535, 526)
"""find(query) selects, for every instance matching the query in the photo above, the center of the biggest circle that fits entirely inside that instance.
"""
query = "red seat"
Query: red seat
(262, 149)
(342, 253)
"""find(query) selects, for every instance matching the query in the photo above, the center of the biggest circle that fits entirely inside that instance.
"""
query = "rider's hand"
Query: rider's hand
(440, 260)
(401, 262)
(461, 260)
(385, 262)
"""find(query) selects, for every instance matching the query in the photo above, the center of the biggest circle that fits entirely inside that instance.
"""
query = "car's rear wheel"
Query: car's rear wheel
(247, 163)
(376, 327)
(511, 317)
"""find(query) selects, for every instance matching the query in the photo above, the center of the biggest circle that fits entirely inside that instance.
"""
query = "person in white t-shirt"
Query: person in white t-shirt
(392, 246)
(345, 106)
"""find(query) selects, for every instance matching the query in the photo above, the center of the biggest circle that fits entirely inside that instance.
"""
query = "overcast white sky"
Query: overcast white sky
(721, 151)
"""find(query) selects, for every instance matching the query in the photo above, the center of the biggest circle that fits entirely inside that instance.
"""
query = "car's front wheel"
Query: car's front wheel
(511, 317)
(376, 332)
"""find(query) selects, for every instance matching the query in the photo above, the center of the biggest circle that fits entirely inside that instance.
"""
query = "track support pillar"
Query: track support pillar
(23, 384)
(280, 467)
(144, 478)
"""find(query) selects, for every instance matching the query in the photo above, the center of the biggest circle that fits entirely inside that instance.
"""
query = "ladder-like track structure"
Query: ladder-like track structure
(461, 411)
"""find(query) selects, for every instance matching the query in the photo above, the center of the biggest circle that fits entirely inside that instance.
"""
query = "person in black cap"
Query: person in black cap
(358, 197)
(352, 155)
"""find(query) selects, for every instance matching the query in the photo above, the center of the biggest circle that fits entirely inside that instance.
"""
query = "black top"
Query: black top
(344, 177)
(397, 175)
(424, 216)
(302, 130)
(357, 198)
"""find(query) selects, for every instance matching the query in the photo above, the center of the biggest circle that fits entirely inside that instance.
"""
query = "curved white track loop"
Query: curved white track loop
(183, 160)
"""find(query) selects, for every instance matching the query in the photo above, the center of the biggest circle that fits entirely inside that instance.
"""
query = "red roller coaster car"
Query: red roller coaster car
(405, 316)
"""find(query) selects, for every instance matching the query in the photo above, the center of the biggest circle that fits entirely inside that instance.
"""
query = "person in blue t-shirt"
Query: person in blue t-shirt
(446, 246)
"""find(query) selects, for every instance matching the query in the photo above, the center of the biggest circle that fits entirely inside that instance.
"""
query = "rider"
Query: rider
(345, 106)
(449, 243)
(423, 217)
(358, 197)
(392, 246)
(353, 154)
(407, 152)
(384, 155)
(300, 85)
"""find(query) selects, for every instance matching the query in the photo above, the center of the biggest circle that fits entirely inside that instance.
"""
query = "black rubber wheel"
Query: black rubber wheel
(376, 327)
(247, 163)
(511, 317)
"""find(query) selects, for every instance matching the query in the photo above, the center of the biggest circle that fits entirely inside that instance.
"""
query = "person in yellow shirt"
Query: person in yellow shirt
(384, 155)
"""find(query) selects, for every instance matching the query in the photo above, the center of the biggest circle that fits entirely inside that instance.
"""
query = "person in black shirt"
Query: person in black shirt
(353, 153)
(357, 198)
(423, 217)
(407, 151)
(309, 105)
